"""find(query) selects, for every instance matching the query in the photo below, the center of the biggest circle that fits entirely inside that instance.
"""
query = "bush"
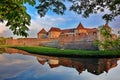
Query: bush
(2, 41)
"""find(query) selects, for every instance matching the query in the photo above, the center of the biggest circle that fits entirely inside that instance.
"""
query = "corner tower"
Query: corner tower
(42, 33)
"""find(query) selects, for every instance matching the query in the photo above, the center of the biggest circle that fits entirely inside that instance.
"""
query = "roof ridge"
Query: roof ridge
(42, 31)
(54, 29)
(80, 26)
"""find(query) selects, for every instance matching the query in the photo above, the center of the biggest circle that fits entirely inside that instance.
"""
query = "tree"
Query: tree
(18, 20)
(2, 41)
(116, 44)
(14, 12)
(106, 38)
(107, 42)
(84, 7)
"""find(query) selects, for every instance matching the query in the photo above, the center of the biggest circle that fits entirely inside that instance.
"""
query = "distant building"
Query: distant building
(76, 38)
(79, 37)
(57, 33)
(54, 32)
(42, 34)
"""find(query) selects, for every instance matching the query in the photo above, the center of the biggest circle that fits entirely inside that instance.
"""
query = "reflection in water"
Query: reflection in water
(24, 66)
(2, 50)
(95, 66)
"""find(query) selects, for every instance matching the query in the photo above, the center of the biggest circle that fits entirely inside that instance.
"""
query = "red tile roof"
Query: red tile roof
(54, 29)
(91, 30)
(68, 30)
(43, 31)
(80, 26)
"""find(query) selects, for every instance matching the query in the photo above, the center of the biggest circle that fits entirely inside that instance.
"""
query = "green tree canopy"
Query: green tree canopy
(18, 20)
(14, 12)
(83, 7)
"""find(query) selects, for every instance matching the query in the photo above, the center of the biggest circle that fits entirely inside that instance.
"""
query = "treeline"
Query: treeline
(3, 40)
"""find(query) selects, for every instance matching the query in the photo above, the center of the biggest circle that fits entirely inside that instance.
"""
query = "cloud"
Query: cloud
(4, 31)
(46, 22)
(2, 28)
(69, 20)
(116, 22)
(36, 25)
(10, 62)
(1, 58)
(116, 25)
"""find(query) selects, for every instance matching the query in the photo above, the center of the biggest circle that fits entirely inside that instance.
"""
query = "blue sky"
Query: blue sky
(68, 20)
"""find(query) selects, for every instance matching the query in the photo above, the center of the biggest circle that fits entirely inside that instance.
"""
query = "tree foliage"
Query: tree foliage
(14, 12)
(18, 20)
(2, 41)
(56, 6)
(116, 44)
(105, 34)
(108, 43)
(84, 7)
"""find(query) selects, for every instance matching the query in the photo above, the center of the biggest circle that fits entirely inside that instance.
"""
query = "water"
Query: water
(20, 65)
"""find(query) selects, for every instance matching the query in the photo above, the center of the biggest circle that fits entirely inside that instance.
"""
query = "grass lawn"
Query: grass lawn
(67, 52)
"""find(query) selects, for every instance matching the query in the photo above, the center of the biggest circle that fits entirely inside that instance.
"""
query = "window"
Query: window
(94, 33)
(67, 35)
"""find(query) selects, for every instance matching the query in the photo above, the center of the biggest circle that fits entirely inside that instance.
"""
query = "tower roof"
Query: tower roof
(43, 31)
(54, 29)
(80, 26)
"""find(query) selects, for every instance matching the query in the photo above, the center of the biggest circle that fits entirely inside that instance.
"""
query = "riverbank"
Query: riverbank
(68, 53)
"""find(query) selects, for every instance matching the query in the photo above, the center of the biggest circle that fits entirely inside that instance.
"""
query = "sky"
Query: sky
(68, 20)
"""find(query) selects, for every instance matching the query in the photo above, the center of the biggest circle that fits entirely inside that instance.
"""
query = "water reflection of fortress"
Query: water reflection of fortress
(95, 66)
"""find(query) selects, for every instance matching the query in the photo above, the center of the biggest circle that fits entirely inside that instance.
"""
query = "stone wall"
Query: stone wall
(54, 34)
(82, 45)
(23, 42)
(82, 41)
(32, 42)
(42, 36)
(71, 41)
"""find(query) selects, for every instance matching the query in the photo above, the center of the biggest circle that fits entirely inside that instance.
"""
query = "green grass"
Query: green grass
(68, 53)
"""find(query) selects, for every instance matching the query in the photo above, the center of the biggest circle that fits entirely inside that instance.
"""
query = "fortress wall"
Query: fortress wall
(83, 45)
(70, 41)
(78, 42)
(31, 42)
(23, 42)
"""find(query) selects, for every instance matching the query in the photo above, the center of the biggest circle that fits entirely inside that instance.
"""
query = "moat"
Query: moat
(20, 65)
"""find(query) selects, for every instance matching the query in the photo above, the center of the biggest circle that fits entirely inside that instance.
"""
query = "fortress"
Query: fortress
(74, 38)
